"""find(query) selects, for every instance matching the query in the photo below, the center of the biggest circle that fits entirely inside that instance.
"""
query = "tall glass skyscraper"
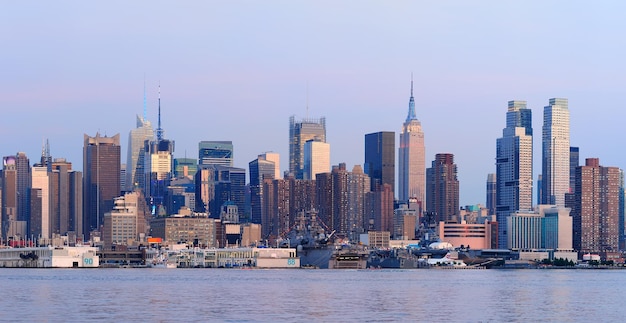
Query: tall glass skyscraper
(380, 158)
(514, 166)
(491, 193)
(135, 172)
(260, 169)
(316, 158)
(299, 133)
(556, 153)
(412, 171)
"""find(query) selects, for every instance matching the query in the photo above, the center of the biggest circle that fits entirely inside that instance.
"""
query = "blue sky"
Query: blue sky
(236, 70)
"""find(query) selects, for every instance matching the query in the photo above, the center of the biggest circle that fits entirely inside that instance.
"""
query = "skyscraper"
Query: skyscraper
(491, 193)
(299, 133)
(215, 153)
(380, 158)
(574, 161)
(135, 164)
(514, 166)
(555, 149)
(65, 198)
(412, 157)
(158, 167)
(275, 158)
(101, 167)
(10, 225)
(442, 190)
(595, 211)
(41, 181)
(22, 165)
(260, 169)
(358, 190)
(316, 158)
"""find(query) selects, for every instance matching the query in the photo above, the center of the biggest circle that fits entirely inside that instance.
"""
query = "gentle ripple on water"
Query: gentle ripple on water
(137, 295)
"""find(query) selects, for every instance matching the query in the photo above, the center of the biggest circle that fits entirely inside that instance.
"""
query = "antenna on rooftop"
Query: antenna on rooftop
(145, 108)
(159, 131)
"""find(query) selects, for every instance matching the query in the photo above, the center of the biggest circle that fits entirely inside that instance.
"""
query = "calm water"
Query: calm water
(167, 295)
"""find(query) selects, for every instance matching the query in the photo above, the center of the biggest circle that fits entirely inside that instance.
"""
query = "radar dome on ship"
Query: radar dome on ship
(441, 245)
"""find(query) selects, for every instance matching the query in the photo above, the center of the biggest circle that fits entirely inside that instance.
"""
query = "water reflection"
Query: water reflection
(311, 295)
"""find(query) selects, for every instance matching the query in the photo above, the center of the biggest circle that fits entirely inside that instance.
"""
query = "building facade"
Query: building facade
(596, 208)
(66, 198)
(316, 158)
(260, 169)
(514, 167)
(215, 153)
(555, 141)
(101, 182)
(299, 133)
(412, 158)
(44, 222)
(185, 167)
(380, 158)
(442, 192)
(275, 158)
(135, 172)
(491, 190)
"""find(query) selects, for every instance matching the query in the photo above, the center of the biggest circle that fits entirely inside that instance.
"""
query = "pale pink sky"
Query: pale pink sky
(236, 70)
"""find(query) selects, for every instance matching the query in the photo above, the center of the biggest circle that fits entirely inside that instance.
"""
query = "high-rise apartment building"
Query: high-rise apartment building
(316, 158)
(358, 192)
(101, 184)
(285, 199)
(380, 158)
(442, 190)
(215, 153)
(555, 149)
(135, 163)
(595, 210)
(514, 167)
(299, 133)
(622, 211)
(344, 202)
(276, 207)
(412, 158)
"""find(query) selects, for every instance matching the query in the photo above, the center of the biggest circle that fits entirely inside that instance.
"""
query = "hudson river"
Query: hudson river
(436, 295)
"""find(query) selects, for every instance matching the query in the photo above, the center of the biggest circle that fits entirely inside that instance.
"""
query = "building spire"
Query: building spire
(411, 115)
(145, 108)
(159, 131)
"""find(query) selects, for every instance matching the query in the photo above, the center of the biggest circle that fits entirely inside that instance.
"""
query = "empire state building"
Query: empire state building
(412, 172)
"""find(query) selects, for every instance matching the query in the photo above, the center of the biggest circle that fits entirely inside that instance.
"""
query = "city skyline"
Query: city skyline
(468, 61)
